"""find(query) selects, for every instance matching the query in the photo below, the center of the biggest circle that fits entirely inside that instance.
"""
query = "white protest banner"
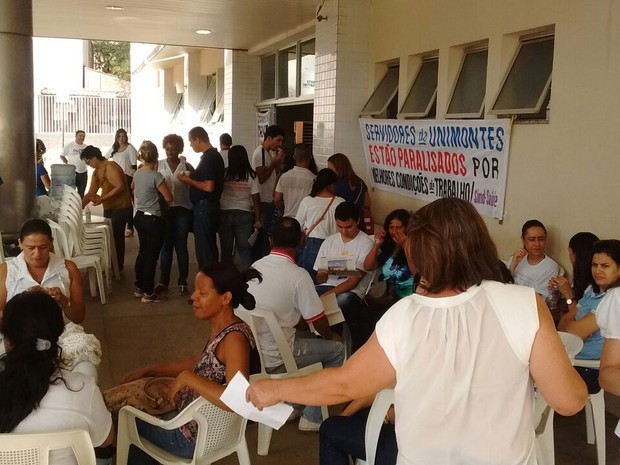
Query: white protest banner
(430, 159)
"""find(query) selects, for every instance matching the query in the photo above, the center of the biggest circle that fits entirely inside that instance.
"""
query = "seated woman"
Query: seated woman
(36, 395)
(537, 268)
(36, 267)
(581, 317)
(219, 288)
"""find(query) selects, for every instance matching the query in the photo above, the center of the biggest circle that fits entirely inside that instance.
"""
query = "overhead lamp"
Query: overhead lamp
(114, 8)
(203, 31)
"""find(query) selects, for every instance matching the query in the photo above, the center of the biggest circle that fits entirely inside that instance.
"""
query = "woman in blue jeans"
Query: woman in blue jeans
(179, 217)
(239, 207)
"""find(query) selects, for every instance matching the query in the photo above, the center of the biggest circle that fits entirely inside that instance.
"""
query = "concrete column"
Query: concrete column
(17, 159)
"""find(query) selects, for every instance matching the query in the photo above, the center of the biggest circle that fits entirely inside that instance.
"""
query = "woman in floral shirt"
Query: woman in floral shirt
(220, 288)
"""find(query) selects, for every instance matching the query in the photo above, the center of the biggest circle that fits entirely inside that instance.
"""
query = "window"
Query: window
(527, 84)
(420, 101)
(268, 77)
(384, 94)
(306, 51)
(467, 100)
(207, 106)
(287, 72)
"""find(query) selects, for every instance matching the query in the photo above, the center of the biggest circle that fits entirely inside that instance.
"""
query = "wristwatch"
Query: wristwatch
(569, 301)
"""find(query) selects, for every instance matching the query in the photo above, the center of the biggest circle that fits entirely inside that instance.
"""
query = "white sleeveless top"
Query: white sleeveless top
(179, 190)
(464, 393)
(18, 278)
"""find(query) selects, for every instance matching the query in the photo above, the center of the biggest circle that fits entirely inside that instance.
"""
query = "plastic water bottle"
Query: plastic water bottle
(87, 214)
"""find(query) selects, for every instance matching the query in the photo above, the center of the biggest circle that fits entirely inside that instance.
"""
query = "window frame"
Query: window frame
(389, 68)
(525, 40)
(480, 112)
(433, 97)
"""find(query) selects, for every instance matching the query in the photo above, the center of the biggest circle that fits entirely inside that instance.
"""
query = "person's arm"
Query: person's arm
(234, 352)
(45, 180)
(165, 191)
(116, 177)
(256, 210)
(551, 370)
(609, 375)
(171, 369)
(330, 386)
(366, 200)
(76, 310)
(516, 259)
(356, 405)
(206, 186)
(2, 287)
(264, 172)
(371, 261)
(91, 195)
(322, 327)
(584, 327)
(278, 199)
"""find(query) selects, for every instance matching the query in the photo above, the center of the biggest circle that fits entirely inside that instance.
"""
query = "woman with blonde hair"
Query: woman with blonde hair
(151, 198)
(463, 353)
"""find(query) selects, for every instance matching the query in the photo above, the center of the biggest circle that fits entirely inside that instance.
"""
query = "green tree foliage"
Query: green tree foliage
(111, 58)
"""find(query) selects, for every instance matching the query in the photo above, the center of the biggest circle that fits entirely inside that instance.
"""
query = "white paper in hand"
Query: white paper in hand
(253, 237)
(234, 397)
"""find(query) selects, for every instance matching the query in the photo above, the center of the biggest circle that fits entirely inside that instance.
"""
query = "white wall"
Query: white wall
(58, 63)
(564, 173)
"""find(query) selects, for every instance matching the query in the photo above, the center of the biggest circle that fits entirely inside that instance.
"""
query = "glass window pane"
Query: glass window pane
(422, 92)
(528, 77)
(383, 94)
(307, 68)
(268, 77)
(287, 72)
(468, 95)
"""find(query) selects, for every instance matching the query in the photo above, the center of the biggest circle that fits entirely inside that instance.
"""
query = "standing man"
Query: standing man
(295, 184)
(266, 161)
(71, 155)
(288, 292)
(225, 144)
(205, 190)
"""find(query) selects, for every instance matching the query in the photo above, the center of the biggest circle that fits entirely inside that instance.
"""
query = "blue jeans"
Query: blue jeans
(306, 255)
(206, 219)
(178, 223)
(236, 226)
(308, 349)
(171, 441)
(341, 437)
(262, 247)
(151, 231)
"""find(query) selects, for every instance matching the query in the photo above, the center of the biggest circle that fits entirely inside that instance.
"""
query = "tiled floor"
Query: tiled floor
(134, 334)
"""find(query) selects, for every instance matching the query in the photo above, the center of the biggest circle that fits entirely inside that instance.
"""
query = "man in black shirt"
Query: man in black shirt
(205, 190)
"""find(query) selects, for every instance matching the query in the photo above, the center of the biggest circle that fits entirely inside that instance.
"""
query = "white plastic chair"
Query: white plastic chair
(543, 414)
(374, 423)
(595, 414)
(91, 263)
(251, 317)
(220, 433)
(34, 448)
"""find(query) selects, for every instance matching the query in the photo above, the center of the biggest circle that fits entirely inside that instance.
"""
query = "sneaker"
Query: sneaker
(128, 232)
(154, 297)
(307, 425)
(183, 290)
(137, 293)
(161, 287)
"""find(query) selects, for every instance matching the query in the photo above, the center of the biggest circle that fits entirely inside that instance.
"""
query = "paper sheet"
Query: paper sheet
(234, 397)
(332, 310)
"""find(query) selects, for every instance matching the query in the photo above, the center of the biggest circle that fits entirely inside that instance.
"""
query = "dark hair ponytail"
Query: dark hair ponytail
(226, 277)
(32, 323)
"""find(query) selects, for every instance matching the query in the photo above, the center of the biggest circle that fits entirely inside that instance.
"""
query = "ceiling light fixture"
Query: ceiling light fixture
(203, 31)
(114, 8)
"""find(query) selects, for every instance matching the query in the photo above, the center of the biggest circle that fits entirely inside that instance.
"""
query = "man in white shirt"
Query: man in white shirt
(350, 244)
(225, 145)
(71, 155)
(288, 291)
(266, 161)
(295, 184)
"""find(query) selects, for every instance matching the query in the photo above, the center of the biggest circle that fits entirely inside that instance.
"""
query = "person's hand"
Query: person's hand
(133, 375)
(96, 200)
(399, 237)
(262, 393)
(279, 157)
(562, 284)
(257, 225)
(379, 237)
(57, 295)
(517, 257)
(321, 276)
